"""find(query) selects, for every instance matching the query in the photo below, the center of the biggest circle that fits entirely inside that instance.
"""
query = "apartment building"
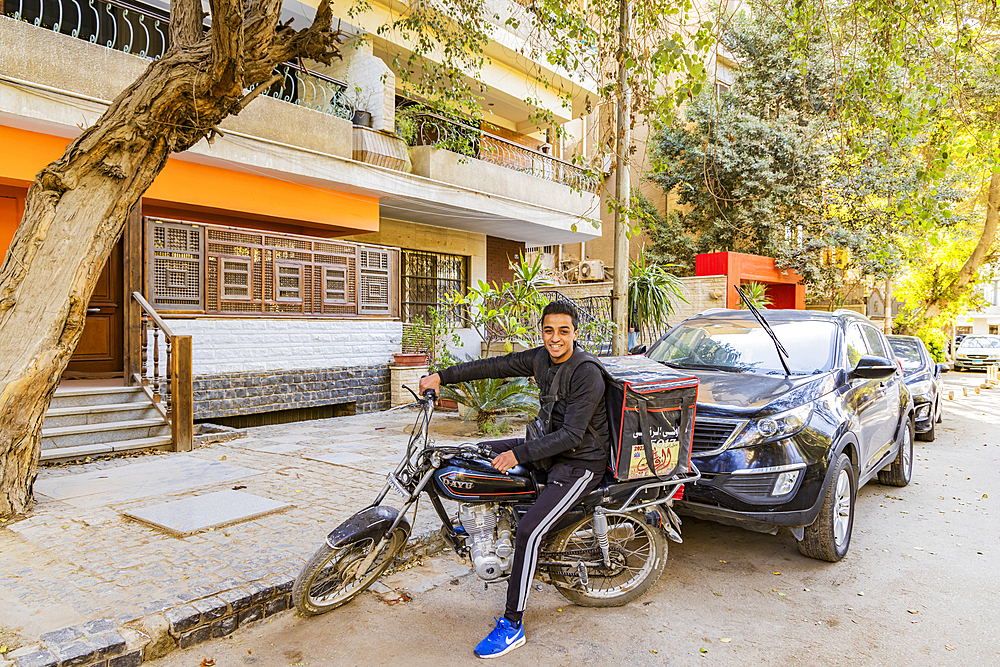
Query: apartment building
(294, 247)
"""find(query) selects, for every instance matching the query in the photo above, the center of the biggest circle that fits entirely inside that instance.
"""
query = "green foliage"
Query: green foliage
(757, 294)
(508, 312)
(652, 293)
(490, 398)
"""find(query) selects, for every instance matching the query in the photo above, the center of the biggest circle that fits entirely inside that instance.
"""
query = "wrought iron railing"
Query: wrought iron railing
(430, 129)
(171, 390)
(144, 31)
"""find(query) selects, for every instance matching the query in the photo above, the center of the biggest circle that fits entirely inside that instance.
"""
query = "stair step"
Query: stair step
(73, 397)
(83, 451)
(79, 415)
(58, 431)
(85, 434)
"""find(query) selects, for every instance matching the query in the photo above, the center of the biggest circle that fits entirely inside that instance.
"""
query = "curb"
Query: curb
(103, 643)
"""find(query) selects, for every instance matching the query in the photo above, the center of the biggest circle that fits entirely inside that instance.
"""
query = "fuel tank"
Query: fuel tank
(475, 480)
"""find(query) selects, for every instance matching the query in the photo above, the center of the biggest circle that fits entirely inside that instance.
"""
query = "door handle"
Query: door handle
(91, 311)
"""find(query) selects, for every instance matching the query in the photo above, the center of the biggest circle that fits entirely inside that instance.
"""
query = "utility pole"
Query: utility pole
(623, 143)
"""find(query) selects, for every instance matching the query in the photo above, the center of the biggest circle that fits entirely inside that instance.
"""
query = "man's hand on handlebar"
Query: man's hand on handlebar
(431, 382)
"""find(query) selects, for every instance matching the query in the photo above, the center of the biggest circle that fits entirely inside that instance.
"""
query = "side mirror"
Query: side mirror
(638, 349)
(943, 368)
(873, 367)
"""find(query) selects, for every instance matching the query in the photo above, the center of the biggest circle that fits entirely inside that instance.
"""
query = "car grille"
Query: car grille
(711, 434)
(751, 486)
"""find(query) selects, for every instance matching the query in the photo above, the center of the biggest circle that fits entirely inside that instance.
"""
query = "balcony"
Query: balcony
(113, 41)
(447, 150)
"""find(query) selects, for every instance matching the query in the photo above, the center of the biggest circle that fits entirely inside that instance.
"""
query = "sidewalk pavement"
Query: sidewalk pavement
(85, 585)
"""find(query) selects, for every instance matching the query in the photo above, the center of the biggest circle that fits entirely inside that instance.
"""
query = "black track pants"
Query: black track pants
(566, 486)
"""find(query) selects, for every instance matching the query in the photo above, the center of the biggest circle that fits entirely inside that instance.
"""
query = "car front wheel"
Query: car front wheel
(829, 536)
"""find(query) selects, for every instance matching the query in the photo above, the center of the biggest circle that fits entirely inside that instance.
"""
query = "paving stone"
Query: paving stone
(196, 636)
(236, 598)
(75, 653)
(260, 591)
(130, 659)
(338, 458)
(107, 643)
(182, 619)
(62, 636)
(274, 605)
(98, 626)
(210, 608)
(224, 626)
(282, 583)
(38, 659)
(253, 613)
(190, 515)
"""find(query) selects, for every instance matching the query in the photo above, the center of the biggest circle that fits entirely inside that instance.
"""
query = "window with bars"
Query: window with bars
(427, 279)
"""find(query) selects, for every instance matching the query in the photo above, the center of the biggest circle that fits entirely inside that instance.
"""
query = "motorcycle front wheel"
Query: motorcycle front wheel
(331, 578)
(638, 557)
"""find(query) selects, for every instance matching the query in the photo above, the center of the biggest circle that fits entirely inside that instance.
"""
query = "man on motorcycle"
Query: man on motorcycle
(570, 443)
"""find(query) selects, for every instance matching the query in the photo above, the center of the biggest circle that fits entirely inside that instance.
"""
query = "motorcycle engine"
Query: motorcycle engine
(490, 544)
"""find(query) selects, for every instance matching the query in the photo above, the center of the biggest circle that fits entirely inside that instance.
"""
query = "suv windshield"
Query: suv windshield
(744, 346)
(908, 353)
(980, 341)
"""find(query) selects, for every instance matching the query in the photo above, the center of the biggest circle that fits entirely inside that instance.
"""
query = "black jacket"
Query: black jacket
(581, 404)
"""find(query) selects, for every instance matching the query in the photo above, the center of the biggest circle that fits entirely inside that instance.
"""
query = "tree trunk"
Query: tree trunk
(970, 269)
(77, 207)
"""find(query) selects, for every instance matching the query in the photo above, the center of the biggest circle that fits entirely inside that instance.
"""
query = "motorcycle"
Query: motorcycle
(605, 552)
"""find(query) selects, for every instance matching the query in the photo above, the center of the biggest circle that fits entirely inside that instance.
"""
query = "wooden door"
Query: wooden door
(100, 352)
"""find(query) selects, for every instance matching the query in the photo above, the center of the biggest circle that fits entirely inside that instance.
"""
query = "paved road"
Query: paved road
(919, 587)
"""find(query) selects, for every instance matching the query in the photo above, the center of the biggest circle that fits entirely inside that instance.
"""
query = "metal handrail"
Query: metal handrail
(436, 130)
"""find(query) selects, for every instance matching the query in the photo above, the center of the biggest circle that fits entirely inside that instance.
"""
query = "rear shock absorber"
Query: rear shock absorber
(601, 531)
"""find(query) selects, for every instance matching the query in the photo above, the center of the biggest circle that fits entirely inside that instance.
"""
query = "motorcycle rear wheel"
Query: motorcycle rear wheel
(330, 579)
(640, 558)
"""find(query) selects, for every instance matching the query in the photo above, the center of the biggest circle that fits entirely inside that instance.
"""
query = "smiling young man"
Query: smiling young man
(572, 446)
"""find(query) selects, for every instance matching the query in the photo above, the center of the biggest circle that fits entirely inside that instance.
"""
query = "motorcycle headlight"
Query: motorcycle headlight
(774, 427)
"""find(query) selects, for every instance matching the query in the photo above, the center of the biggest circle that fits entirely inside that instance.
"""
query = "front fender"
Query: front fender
(371, 522)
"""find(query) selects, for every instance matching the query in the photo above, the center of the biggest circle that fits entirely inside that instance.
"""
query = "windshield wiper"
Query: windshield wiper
(782, 353)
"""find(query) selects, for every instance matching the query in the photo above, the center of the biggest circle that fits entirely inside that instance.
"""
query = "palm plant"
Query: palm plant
(757, 294)
(652, 292)
(488, 398)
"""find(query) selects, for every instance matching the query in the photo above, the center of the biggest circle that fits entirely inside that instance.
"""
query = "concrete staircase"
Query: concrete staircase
(92, 421)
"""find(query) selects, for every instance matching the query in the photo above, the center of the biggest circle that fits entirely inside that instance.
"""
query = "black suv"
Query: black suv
(788, 440)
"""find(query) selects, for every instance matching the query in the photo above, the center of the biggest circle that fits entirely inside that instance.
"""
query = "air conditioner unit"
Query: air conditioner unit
(591, 270)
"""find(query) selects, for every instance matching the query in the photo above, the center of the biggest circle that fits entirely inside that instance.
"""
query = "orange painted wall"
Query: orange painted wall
(11, 210)
(24, 153)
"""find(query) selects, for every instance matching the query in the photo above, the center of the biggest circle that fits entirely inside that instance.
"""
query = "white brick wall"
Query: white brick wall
(234, 345)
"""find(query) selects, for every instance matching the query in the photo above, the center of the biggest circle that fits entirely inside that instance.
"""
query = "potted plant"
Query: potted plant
(361, 117)
(652, 292)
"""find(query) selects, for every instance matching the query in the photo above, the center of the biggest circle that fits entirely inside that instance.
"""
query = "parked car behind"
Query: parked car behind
(791, 449)
(924, 379)
(977, 351)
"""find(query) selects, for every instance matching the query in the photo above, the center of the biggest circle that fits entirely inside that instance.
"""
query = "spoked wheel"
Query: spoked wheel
(331, 578)
(829, 537)
(638, 556)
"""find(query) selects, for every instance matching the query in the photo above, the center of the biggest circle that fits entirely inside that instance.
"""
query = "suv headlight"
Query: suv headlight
(774, 427)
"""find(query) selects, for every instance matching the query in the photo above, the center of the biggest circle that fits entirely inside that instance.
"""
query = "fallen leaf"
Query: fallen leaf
(861, 594)
(560, 609)
(950, 648)
(222, 459)
(703, 650)
(775, 573)
(207, 662)
(652, 651)
(725, 640)
(3, 648)
(248, 652)
(720, 594)
(782, 595)
(985, 496)
(722, 561)
(913, 611)
(237, 488)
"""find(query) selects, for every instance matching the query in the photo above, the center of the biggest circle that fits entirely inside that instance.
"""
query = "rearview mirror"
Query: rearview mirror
(638, 349)
(873, 367)
(943, 368)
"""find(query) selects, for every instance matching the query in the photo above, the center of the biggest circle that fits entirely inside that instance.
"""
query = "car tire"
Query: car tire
(939, 412)
(901, 469)
(829, 536)
(926, 436)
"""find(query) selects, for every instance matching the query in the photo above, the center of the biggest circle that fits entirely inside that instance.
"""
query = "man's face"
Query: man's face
(558, 334)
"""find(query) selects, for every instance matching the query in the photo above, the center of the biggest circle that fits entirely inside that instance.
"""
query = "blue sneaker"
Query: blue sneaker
(504, 639)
